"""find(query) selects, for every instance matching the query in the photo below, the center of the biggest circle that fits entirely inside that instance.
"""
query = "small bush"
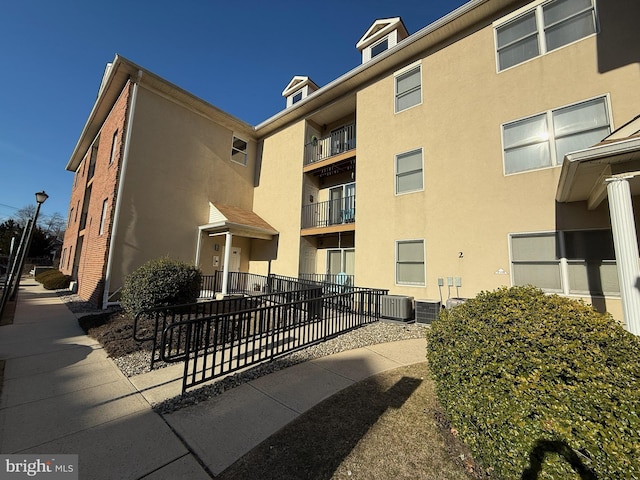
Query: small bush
(158, 283)
(54, 280)
(540, 386)
(42, 276)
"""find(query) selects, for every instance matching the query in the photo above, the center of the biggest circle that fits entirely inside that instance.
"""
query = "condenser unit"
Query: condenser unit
(427, 310)
(396, 307)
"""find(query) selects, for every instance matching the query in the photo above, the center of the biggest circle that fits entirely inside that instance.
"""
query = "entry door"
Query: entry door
(335, 205)
(341, 260)
(234, 259)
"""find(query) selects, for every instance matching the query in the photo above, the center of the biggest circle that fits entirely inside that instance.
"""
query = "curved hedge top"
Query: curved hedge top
(540, 385)
(160, 282)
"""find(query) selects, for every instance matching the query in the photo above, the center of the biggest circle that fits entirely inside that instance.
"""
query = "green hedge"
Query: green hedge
(54, 280)
(158, 283)
(40, 278)
(540, 386)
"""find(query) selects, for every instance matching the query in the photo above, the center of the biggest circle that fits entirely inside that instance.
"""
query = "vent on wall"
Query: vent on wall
(427, 310)
(396, 307)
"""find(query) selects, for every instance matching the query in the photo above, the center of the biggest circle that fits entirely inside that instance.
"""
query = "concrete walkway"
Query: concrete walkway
(63, 395)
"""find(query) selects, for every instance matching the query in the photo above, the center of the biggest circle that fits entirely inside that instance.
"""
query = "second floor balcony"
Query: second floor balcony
(330, 213)
(338, 141)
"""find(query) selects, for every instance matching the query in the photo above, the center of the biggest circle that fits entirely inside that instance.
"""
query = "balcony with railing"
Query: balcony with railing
(339, 214)
(339, 141)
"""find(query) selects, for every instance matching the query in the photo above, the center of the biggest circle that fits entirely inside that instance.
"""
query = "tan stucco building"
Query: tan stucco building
(453, 160)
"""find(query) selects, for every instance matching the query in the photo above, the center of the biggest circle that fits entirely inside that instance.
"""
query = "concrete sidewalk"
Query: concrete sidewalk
(63, 395)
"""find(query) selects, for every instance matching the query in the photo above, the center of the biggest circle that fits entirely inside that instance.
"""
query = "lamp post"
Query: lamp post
(41, 197)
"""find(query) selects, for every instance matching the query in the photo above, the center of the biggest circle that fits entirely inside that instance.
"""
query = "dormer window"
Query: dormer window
(299, 87)
(381, 36)
(379, 47)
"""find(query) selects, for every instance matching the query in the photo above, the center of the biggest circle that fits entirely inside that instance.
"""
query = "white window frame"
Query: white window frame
(424, 262)
(537, 8)
(234, 150)
(564, 263)
(114, 142)
(395, 172)
(414, 66)
(103, 216)
(555, 162)
(384, 39)
(343, 259)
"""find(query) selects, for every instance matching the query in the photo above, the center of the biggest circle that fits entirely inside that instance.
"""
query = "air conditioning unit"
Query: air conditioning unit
(396, 307)
(427, 310)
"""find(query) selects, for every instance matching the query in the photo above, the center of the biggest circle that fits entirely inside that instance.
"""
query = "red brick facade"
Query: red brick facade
(86, 242)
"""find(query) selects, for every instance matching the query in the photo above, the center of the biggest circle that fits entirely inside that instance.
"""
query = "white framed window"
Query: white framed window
(103, 216)
(341, 260)
(381, 46)
(408, 87)
(544, 139)
(542, 29)
(114, 145)
(410, 263)
(296, 98)
(239, 151)
(409, 172)
(579, 262)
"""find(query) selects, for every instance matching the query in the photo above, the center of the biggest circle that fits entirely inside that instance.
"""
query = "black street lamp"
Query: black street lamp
(41, 197)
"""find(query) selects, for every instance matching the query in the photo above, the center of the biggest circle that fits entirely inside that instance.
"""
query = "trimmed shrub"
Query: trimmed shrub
(40, 278)
(540, 386)
(160, 282)
(54, 280)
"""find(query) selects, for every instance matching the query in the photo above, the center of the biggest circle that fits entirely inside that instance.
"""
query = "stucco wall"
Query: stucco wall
(179, 161)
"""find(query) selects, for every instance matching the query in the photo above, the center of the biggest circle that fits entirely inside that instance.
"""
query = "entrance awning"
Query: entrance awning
(239, 222)
(611, 170)
(584, 172)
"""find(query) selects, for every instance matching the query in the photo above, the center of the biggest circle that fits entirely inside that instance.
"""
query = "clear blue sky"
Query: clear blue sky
(238, 56)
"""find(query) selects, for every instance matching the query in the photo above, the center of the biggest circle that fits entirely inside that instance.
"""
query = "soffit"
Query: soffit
(584, 173)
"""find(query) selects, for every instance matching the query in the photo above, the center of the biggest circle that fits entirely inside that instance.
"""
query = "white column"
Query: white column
(626, 248)
(225, 267)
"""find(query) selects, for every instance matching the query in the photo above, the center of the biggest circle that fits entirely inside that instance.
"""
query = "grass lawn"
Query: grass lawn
(383, 428)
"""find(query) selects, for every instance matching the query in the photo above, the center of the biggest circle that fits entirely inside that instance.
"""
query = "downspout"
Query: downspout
(116, 215)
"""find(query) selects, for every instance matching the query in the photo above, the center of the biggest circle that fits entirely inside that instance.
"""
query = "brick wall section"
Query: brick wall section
(92, 262)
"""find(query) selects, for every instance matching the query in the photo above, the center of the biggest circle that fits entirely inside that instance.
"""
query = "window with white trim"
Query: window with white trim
(103, 216)
(409, 172)
(381, 46)
(239, 151)
(410, 263)
(408, 88)
(580, 262)
(543, 140)
(546, 27)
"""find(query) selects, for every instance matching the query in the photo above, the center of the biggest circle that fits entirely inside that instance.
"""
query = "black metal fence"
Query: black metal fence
(331, 212)
(149, 325)
(225, 342)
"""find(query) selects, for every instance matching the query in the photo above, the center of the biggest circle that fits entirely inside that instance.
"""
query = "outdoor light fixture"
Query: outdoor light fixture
(41, 197)
(14, 282)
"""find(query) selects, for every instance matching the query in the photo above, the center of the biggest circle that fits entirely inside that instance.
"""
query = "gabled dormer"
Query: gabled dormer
(299, 87)
(381, 36)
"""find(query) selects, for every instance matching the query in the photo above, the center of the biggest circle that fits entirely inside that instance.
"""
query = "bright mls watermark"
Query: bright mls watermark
(50, 467)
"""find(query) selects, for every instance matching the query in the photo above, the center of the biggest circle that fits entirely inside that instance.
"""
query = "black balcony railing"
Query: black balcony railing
(338, 141)
(332, 212)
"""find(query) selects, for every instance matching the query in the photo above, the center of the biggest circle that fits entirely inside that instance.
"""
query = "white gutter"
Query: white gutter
(123, 171)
